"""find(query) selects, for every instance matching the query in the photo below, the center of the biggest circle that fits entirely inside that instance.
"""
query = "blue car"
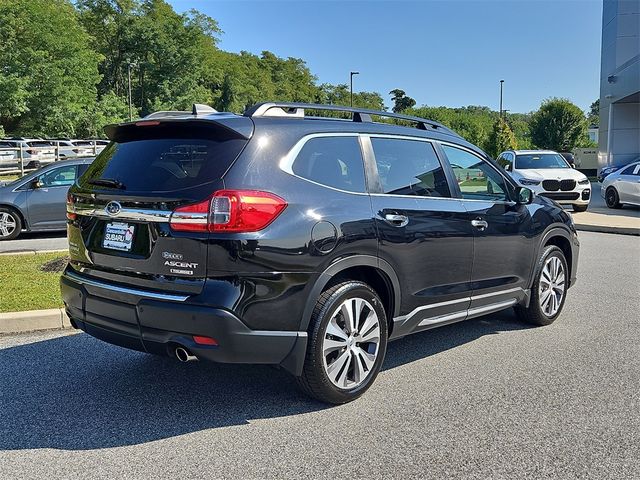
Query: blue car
(37, 201)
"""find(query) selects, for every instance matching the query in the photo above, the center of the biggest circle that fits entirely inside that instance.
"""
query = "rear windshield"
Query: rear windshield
(180, 158)
(40, 144)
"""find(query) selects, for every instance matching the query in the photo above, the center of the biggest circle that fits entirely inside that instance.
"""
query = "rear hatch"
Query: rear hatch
(122, 209)
(41, 150)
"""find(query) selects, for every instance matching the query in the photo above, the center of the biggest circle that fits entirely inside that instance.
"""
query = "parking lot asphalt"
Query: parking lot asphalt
(487, 398)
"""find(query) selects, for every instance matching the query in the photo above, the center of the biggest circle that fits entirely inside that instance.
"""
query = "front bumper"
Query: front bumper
(158, 323)
(581, 195)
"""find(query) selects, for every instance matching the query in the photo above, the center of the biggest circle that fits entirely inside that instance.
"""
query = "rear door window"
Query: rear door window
(409, 167)
(168, 158)
(332, 161)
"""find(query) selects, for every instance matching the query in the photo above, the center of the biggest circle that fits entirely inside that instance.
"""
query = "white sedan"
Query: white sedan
(622, 186)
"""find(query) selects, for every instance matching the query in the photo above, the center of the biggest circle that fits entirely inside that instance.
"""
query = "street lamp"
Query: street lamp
(501, 82)
(351, 74)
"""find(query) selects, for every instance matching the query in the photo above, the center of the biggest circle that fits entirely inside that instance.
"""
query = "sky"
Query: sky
(441, 53)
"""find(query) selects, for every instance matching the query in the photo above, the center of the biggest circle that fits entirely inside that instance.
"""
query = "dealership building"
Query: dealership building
(619, 135)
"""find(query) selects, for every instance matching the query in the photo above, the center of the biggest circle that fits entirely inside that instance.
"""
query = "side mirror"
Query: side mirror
(507, 167)
(524, 195)
(34, 184)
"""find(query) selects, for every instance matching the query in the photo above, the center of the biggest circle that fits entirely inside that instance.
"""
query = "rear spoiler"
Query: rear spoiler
(235, 126)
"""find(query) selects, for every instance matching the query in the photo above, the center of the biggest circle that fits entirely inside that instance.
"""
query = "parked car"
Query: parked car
(622, 186)
(305, 242)
(605, 171)
(8, 155)
(36, 202)
(35, 152)
(72, 148)
(548, 174)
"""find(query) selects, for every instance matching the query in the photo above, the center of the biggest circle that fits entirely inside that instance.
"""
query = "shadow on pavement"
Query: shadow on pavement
(77, 393)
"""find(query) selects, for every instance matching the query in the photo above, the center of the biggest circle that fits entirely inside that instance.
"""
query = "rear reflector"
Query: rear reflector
(229, 211)
(205, 340)
(70, 207)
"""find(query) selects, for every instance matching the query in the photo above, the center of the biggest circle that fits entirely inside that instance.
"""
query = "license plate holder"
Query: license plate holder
(118, 236)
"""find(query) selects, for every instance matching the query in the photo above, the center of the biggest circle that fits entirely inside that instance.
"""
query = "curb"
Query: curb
(606, 229)
(32, 252)
(34, 320)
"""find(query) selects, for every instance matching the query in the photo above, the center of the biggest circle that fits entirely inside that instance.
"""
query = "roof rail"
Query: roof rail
(296, 110)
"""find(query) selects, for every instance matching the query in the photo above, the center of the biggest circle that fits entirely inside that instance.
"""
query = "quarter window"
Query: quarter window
(476, 178)
(332, 161)
(409, 167)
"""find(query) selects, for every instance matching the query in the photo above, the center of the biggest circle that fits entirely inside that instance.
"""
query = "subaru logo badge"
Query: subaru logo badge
(113, 209)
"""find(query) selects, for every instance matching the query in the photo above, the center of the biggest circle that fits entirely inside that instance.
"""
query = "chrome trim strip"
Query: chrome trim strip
(492, 307)
(443, 318)
(459, 300)
(493, 294)
(432, 305)
(130, 291)
(133, 214)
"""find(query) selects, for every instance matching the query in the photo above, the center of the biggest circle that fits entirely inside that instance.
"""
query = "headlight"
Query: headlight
(528, 181)
(584, 182)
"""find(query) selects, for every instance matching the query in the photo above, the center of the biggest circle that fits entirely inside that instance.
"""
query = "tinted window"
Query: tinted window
(332, 161)
(476, 178)
(540, 160)
(59, 177)
(409, 167)
(180, 157)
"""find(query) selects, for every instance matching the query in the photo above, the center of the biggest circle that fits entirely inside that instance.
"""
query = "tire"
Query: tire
(10, 224)
(612, 198)
(541, 311)
(580, 208)
(337, 368)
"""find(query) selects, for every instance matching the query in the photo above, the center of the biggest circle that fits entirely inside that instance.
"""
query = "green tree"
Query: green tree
(501, 138)
(48, 70)
(401, 101)
(558, 125)
(593, 118)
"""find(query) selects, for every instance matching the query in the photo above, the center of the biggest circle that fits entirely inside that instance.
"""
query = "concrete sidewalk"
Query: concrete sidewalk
(600, 218)
(33, 320)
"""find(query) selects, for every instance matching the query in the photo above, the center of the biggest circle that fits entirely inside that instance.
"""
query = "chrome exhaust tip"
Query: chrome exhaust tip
(183, 355)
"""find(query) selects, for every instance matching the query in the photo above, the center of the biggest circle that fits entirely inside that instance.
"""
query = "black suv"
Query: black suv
(276, 237)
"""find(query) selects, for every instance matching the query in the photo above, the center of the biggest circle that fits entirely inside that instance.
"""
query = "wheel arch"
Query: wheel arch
(375, 272)
(561, 237)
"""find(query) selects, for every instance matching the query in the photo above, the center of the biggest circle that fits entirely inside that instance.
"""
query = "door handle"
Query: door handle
(397, 220)
(479, 224)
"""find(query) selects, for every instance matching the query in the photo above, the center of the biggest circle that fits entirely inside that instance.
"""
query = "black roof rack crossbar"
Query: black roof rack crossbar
(294, 109)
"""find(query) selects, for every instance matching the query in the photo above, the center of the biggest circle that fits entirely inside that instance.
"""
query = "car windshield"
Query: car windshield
(540, 160)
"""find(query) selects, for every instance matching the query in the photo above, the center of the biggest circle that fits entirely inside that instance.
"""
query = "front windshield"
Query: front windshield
(540, 160)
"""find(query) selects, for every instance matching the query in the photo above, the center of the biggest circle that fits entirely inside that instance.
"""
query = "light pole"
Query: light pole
(351, 74)
(501, 82)
(129, 65)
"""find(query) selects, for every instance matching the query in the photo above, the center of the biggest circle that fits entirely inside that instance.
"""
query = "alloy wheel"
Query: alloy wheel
(551, 286)
(7, 224)
(351, 343)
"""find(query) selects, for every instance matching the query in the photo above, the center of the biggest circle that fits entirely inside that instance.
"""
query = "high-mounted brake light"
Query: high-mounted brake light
(147, 123)
(229, 211)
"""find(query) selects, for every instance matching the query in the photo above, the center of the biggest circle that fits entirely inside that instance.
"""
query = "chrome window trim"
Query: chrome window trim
(130, 291)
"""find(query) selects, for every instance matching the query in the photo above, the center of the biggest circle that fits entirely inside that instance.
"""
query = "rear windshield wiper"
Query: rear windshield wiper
(107, 182)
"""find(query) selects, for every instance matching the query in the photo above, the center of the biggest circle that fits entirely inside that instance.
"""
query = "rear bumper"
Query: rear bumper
(158, 323)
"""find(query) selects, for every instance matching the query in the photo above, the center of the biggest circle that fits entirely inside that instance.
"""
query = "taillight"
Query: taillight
(76, 150)
(229, 211)
(32, 152)
(71, 215)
